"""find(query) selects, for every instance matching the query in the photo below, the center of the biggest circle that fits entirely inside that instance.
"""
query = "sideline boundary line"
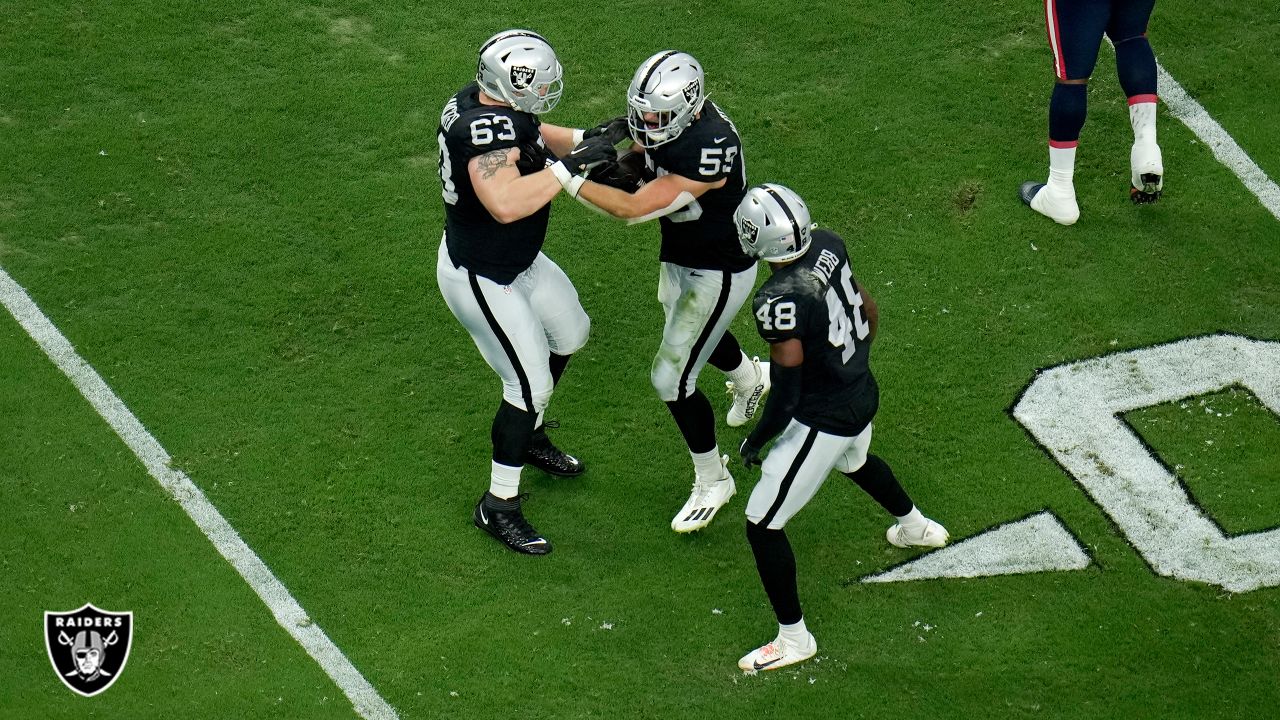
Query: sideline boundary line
(363, 696)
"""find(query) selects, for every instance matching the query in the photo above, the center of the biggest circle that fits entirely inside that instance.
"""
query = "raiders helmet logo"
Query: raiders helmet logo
(691, 92)
(521, 76)
(88, 647)
(749, 230)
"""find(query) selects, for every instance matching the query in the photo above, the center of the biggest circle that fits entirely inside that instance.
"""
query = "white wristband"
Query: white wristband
(577, 136)
(570, 182)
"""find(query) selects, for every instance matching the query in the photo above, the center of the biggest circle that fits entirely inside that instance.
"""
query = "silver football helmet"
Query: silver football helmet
(519, 68)
(669, 85)
(773, 223)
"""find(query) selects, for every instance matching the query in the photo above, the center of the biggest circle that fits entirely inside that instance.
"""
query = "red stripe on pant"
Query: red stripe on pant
(1055, 38)
(1143, 99)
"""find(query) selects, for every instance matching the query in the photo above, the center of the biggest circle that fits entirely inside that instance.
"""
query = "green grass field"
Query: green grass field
(232, 211)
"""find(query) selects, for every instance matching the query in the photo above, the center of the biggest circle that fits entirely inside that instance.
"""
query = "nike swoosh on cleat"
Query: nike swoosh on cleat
(760, 666)
(539, 541)
(483, 518)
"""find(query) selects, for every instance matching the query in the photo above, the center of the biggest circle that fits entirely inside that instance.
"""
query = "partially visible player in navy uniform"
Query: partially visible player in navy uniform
(1075, 30)
(696, 176)
(498, 174)
(820, 324)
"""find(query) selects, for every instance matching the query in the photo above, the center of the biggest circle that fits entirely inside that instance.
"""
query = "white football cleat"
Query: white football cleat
(707, 498)
(1146, 173)
(777, 654)
(934, 535)
(746, 400)
(1052, 202)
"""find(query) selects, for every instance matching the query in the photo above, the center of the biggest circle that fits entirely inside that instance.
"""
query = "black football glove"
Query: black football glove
(627, 174)
(616, 130)
(750, 454)
(588, 154)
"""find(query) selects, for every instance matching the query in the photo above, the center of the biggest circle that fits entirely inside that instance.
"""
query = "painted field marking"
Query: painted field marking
(1224, 147)
(366, 700)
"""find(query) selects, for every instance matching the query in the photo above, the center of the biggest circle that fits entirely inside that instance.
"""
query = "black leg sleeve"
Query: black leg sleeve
(696, 420)
(558, 364)
(777, 566)
(512, 428)
(878, 481)
(727, 353)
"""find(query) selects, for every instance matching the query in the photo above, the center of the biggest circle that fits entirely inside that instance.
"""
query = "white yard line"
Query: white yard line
(368, 703)
(1224, 147)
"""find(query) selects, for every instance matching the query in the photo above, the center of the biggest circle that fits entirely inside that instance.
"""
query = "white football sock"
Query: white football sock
(1142, 116)
(797, 634)
(914, 521)
(745, 374)
(1062, 165)
(707, 465)
(504, 481)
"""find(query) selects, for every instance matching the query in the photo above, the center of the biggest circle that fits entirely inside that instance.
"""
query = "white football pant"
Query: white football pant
(515, 326)
(796, 466)
(699, 306)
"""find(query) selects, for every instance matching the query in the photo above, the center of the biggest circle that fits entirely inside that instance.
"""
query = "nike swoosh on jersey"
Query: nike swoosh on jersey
(720, 139)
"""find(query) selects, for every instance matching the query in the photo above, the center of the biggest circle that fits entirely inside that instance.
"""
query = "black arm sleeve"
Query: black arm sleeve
(781, 405)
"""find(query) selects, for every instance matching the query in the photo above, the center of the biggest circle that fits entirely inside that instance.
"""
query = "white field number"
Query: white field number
(1074, 412)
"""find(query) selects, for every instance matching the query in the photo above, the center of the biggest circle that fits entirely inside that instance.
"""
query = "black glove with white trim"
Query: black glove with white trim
(616, 130)
(588, 154)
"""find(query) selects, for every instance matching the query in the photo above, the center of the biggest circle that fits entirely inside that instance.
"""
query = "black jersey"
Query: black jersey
(701, 234)
(816, 300)
(475, 239)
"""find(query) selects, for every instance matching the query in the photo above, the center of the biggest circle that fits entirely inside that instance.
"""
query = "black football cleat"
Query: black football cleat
(1027, 191)
(548, 458)
(510, 528)
(1151, 190)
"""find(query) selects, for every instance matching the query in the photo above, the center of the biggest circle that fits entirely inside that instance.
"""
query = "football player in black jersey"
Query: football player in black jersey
(819, 323)
(1075, 30)
(499, 172)
(693, 157)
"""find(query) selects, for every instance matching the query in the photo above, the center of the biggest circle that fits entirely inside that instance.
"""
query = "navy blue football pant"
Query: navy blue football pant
(1075, 31)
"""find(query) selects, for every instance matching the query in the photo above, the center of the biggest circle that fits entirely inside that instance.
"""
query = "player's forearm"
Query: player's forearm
(617, 203)
(781, 405)
(560, 140)
(523, 197)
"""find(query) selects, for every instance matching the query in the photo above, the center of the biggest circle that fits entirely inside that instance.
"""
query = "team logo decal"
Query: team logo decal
(521, 76)
(88, 647)
(749, 230)
(691, 92)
